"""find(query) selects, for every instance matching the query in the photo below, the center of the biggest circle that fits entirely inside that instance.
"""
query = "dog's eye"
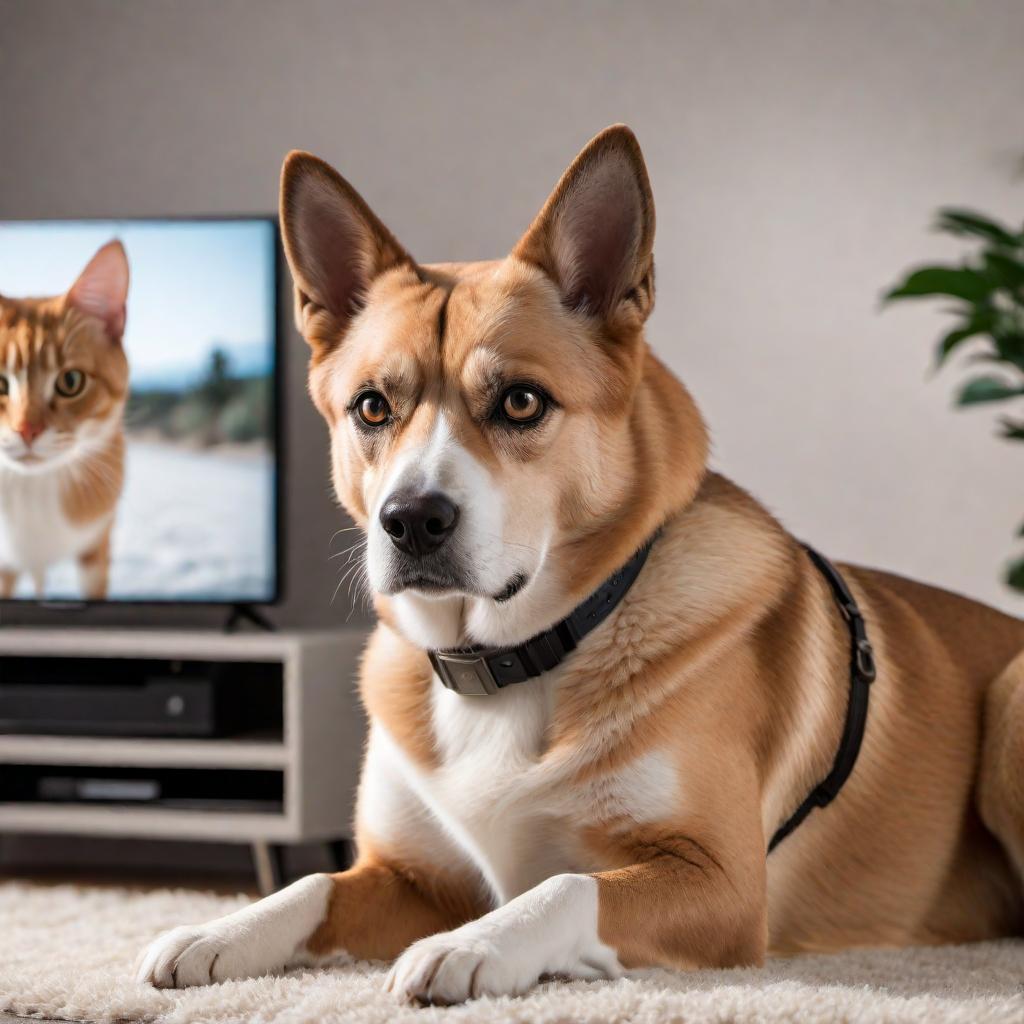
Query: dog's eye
(521, 404)
(70, 383)
(373, 408)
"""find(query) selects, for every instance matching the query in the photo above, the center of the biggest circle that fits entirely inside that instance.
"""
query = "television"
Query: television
(139, 411)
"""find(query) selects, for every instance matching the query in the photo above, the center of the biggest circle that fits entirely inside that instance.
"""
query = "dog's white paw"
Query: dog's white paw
(266, 936)
(201, 955)
(446, 969)
(550, 930)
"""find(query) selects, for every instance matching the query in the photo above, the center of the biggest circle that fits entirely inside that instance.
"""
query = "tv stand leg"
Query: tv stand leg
(268, 861)
(342, 853)
(247, 613)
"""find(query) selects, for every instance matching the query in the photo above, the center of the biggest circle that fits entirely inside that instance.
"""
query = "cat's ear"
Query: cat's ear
(594, 236)
(102, 288)
(334, 243)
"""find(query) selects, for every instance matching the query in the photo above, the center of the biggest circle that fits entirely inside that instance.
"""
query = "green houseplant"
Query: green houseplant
(987, 290)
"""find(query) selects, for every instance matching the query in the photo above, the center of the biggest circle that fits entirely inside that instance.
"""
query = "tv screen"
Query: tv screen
(138, 363)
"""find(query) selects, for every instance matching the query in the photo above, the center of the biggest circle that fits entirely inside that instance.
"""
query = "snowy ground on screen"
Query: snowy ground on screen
(191, 525)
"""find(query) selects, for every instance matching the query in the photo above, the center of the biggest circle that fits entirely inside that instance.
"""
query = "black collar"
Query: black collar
(479, 671)
(862, 675)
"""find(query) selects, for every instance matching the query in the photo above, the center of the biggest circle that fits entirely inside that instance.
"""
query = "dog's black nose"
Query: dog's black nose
(419, 523)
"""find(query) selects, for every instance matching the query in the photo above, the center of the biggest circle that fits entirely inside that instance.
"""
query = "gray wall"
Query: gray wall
(797, 149)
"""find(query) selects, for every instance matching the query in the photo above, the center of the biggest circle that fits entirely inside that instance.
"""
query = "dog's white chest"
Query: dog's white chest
(493, 785)
(499, 801)
(513, 811)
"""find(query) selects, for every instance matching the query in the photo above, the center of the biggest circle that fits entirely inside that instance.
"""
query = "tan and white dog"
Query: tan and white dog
(507, 440)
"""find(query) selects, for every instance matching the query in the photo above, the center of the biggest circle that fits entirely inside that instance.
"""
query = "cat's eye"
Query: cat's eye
(70, 383)
(373, 408)
(522, 404)
(5, 387)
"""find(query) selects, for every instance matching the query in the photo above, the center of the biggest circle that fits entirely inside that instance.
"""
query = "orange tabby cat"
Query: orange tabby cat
(63, 385)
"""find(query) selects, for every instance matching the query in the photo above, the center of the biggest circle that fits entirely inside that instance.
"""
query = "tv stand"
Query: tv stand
(279, 768)
(247, 613)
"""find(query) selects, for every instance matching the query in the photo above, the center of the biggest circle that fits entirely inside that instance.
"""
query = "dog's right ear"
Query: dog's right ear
(335, 246)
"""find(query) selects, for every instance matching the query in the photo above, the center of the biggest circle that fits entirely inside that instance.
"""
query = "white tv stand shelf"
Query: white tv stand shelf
(311, 758)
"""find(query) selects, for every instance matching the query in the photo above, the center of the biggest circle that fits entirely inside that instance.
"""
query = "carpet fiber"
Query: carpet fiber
(67, 952)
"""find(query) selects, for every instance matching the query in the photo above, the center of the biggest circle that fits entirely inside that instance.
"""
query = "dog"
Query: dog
(683, 682)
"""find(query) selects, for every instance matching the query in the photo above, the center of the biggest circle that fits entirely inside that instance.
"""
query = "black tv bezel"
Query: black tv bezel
(56, 605)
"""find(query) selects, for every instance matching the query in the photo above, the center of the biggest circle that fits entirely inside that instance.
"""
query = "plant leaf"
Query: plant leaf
(1013, 430)
(1015, 574)
(967, 222)
(979, 322)
(1010, 345)
(1008, 271)
(987, 389)
(960, 282)
(950, 342)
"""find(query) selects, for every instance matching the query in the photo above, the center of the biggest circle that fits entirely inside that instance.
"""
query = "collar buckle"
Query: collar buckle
(467, 674)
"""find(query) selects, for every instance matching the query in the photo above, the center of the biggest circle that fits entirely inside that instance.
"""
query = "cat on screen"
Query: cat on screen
(63, 386)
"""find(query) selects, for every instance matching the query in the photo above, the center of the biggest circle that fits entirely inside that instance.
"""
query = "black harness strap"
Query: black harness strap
(862, 675)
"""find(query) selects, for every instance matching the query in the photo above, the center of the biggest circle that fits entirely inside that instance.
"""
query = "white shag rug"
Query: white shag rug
(67, 952)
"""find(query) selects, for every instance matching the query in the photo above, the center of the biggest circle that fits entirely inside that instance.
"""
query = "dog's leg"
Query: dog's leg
(265, 936)
(676, 905)
(410, 881)
(550, 929)
(372, 911)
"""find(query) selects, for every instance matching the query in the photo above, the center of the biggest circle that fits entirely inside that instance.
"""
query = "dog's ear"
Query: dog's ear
(595, 235)
(335, 246)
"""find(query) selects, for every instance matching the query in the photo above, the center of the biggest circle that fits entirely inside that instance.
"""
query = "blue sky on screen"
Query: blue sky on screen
(194, 285)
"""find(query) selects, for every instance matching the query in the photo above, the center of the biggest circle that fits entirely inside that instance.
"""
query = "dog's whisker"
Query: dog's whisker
(347, 571)
(338, 533)
(360, 583)
(348, 550)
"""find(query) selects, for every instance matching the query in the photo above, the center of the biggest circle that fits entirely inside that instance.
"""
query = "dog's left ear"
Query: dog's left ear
(595, 235)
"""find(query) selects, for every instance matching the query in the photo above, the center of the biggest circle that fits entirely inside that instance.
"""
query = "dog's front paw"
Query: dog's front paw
(266, 936)
(453, 967)
(548, 930)
(201, 955)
